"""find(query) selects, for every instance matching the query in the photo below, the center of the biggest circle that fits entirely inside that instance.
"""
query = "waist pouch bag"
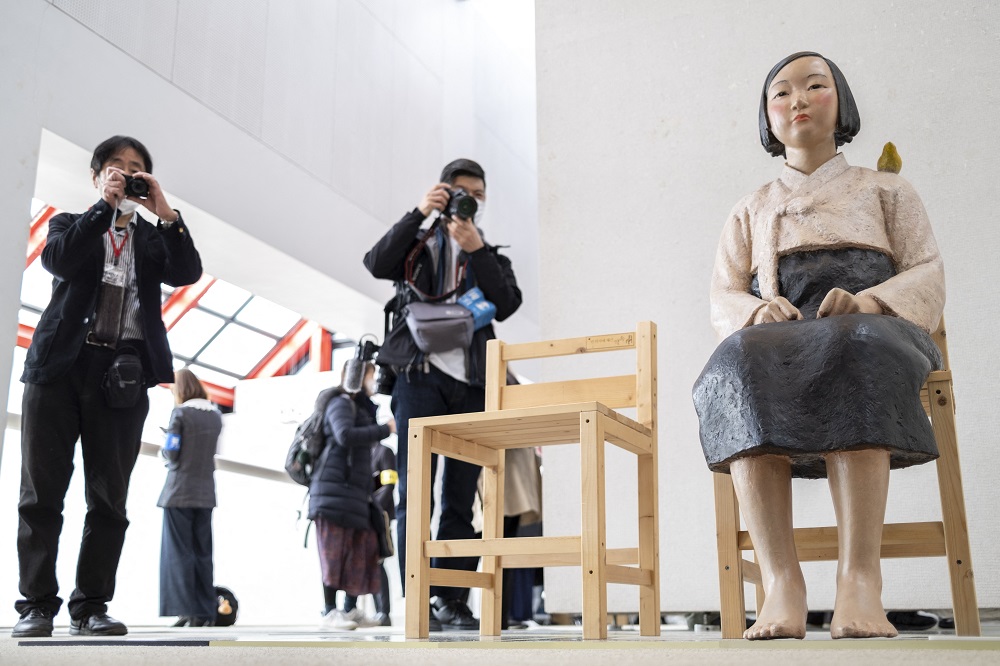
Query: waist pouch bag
(123, 382)
(439, 327)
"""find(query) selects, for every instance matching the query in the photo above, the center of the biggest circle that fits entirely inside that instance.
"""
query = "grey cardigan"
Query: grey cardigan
(190, 482)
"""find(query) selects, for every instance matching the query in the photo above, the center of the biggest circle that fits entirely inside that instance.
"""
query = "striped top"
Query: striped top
(131, 323)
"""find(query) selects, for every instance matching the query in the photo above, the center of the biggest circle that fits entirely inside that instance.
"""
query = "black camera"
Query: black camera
(385, 376)
(385, 379)
(136, 187)
(461, 204)
(367, 350)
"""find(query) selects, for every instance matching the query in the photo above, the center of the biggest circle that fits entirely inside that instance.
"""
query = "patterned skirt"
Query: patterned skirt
(348, 558)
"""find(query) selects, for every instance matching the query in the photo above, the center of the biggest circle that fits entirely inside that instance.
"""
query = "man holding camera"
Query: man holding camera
(440, 265)
(99, 345)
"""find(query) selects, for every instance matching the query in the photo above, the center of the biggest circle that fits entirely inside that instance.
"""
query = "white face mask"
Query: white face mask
(477, 219)
(127, 207)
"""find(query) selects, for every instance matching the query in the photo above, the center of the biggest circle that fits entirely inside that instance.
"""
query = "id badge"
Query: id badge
(114, 275)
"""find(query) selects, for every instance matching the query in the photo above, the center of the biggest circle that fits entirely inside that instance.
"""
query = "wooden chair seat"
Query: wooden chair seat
(570, 412)
(536, 426)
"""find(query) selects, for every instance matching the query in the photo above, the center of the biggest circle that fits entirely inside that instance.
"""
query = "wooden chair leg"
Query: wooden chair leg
(593, 556)
(649, 546)
(491, 613)
(956, 531)
(727, 527)
(418, 528)
(648, 484)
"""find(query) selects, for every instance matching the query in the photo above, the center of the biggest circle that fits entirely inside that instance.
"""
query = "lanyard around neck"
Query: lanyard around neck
(117, 249)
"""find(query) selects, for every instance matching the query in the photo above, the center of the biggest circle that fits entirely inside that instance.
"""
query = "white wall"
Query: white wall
(309, 126)
(647, 117)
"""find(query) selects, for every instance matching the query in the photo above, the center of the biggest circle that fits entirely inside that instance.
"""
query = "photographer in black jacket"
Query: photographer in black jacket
(428, 264)
(107, 266)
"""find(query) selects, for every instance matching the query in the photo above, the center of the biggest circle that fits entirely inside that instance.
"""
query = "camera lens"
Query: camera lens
(461, 204)
(136, 187)
(466, 206)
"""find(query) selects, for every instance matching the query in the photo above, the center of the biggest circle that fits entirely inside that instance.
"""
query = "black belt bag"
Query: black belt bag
(123, 381)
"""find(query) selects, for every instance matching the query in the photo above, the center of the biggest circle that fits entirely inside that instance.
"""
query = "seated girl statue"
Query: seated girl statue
(827, 283)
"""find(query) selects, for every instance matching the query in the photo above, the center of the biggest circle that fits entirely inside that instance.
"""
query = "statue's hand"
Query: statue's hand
(839, 302)
(777, 310)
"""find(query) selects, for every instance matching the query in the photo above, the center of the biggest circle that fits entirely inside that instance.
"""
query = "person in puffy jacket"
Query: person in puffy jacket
(338, 499)
(384, 476)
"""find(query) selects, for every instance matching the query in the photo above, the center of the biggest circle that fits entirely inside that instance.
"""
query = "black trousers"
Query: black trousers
(418, 394)
(53, 417)
(187, 583)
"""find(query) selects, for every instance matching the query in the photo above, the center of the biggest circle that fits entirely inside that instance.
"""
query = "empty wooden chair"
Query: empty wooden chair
(517, 416)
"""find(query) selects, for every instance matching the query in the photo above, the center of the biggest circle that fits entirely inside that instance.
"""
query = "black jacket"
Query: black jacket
(342, 481)
(74, 254)
(488, 269)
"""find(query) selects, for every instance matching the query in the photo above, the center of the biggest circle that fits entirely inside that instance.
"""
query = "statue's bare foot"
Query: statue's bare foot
(858, 612)
(783, 614)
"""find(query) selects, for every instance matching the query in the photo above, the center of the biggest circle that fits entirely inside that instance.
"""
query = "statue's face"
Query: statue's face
(802, 104)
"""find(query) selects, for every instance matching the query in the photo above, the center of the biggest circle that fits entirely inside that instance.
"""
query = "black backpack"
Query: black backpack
(309, 439)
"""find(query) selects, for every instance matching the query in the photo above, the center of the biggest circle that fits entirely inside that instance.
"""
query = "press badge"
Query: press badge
(114, 275)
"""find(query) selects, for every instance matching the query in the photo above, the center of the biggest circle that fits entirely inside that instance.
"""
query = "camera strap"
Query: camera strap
(412, 268)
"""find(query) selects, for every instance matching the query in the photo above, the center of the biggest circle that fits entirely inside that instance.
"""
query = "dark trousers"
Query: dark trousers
(187, 578)
(418, 394)
(54, 416)
(382, 597)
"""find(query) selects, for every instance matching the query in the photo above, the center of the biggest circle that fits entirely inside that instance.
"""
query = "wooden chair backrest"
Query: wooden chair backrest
(636, 390)
(941, 340)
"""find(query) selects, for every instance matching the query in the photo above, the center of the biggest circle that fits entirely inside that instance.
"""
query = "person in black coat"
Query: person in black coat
(107, 265)
(338, 499)
(384, 476)
(439, 264)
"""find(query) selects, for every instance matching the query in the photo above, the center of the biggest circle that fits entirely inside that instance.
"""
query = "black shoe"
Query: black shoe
(912, 620)
(454, 614)
(98, 624)
(818, 619)
(383, 620)
(182, 621)
(34, 623)
(202, 622)
(433, 624)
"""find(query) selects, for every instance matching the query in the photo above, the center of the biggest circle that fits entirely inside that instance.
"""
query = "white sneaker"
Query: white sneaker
(360, 619)
(337, 620)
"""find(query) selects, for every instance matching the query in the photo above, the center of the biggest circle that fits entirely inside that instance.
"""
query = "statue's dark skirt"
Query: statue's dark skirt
(809, 387)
